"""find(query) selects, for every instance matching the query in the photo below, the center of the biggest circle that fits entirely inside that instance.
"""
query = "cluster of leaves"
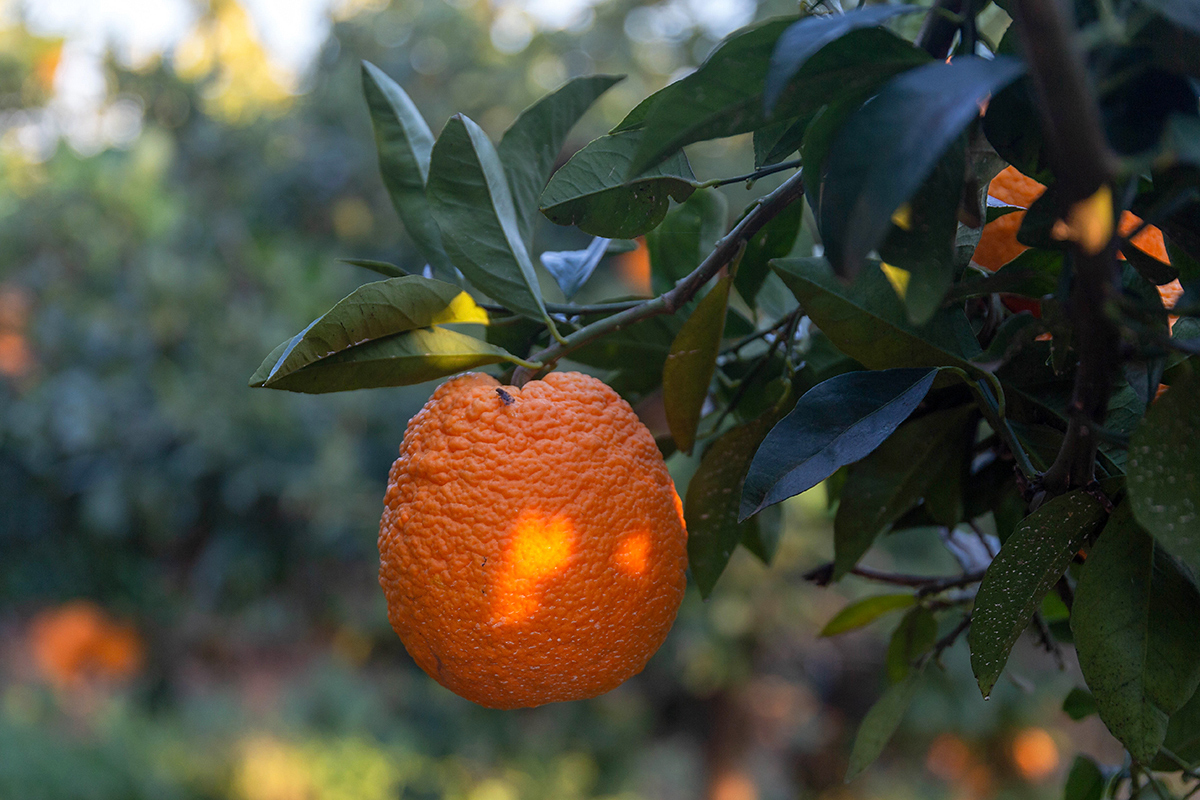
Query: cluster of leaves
(893, 372)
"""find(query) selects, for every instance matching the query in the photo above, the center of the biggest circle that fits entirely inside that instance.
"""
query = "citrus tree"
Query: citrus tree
(1012, 366)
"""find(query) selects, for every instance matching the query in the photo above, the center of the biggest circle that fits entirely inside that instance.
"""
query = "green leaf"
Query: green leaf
(713, 495)
(863, 612)
(1031, 561)
(372, 311)
(892, 480)
(1085, 781)
(590, 190)
(1182, 12)
(687, 234)
(1079, 704)
(925, 245)
(773, 240)
(1134, 621)
(803, 39)
(914, 637)
(868, 322)
(470, 199)
(691, 363)
(531, 145)
(417, 356)
(1164, 470)
(404, 142)
(721, 98)
(835, 423)
(880, 723)
(572, 268)
(1183, 737)
(382, 267)
(888, 147)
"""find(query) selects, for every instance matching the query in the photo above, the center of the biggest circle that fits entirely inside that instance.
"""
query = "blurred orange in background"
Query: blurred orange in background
(79, 641)
(634, 268)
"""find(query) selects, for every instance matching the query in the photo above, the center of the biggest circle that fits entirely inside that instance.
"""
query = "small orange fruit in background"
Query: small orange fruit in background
(532, 546)
(79, 641)
(998, 245)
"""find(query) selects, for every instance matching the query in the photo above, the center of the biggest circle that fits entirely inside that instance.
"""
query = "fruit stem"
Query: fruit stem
(727, 248)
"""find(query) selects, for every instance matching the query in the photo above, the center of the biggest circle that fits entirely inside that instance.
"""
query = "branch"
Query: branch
(1083, 165)
(925, 585)
(671, 301)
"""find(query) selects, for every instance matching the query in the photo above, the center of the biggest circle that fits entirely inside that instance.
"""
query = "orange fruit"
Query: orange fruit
(634, 268)
(79, 640)
(532, 546)
(998, 245)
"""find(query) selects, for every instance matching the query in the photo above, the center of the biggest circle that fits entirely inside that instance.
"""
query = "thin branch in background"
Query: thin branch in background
(751, 177)
(948, 640)
(925, 584)
(1047, 641)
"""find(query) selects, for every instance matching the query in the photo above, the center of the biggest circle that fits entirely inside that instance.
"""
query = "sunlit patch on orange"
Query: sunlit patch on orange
(634, 268)
(1034, 754)
(79, 640)
(633, 553)
(949, 758)
(541, 546)
(734, 785)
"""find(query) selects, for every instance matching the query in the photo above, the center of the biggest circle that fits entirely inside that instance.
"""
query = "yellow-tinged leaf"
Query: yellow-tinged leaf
(1089, 223)
(462, 309)
(902, 217)
(897, 277)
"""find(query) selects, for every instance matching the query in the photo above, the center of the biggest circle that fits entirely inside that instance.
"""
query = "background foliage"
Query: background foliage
(235, 530)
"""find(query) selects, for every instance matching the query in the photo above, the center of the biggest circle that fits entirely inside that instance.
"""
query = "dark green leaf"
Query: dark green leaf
(1134, 621)
(372, 311)
(1164, 470)
(686, 236)
(1085, 781)
(1182, 12)
(471, 201)
(880, 723)
(713, 496)
(863, 612)
(868, 322)
(404, 142)
(691, 363)
(382, 267)
(804, 38)
(530, 146)
(774, 240)
(1031, 561)
(1183, 737)
(777, 140)
(722, 97)
(417, 356)
(925, 245)
(1079, 704)
(833, 424)
(893, 479)
(913, 638)
(572, 268)
(890, 145)
(590, 190)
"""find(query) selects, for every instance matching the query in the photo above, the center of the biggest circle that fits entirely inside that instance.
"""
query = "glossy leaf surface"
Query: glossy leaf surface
(887, 148)
(530, 146)
(1031, 561)
(404, 142)
(471, 201)
(835, 423)
(1164, 470)
(691, 363)
(1134, 622)
(591, 191)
